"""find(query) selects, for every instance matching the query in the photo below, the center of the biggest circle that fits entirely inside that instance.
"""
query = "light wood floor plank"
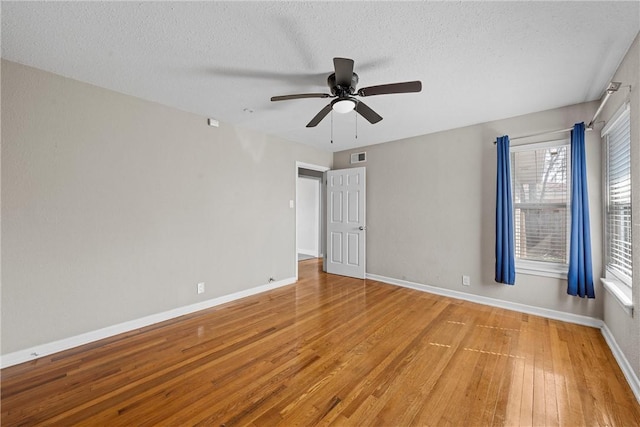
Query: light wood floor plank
(330, 351)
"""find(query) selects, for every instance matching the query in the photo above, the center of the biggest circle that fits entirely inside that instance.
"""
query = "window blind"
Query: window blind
(618, 208)
(541, 201)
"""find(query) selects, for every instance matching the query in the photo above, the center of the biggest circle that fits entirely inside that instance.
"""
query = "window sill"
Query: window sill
(620, 292)
(545, 269)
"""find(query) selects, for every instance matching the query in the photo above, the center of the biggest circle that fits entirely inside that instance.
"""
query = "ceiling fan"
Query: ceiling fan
(342, 84)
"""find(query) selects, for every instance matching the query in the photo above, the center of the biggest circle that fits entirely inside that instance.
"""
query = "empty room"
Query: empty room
(320, 213)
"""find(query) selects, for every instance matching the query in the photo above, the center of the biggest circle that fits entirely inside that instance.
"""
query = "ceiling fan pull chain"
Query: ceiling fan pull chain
(332, 126)
(356, 121)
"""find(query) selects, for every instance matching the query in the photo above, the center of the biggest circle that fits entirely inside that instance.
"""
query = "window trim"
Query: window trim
(613, 279)
(543, 268)
(616, 283)
(620, 292)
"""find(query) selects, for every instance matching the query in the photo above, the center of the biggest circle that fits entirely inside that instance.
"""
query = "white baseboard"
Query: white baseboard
(35, 352)
(309, 252)
(624, 364)
(522, 308)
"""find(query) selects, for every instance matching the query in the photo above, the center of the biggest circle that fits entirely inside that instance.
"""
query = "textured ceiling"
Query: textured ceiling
(478, 61)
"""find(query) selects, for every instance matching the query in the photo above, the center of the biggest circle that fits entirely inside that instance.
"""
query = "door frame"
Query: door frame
(323, 238)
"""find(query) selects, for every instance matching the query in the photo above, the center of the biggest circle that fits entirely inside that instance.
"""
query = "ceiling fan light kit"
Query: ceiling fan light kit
(343, 105)
(342, 84)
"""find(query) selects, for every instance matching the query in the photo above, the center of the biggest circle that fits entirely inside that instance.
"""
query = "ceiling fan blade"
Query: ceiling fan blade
(404, 87)
(300, 96)
(367, 113)
(344, 71)
(321, 115)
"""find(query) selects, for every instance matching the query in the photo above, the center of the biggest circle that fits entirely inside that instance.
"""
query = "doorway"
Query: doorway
(310, 212)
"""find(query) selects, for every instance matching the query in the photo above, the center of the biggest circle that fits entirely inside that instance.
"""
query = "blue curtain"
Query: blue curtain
(580, 275)
(505, 258)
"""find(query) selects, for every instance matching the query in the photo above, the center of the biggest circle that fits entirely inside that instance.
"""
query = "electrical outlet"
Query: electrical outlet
(201, 288)
(466, 281)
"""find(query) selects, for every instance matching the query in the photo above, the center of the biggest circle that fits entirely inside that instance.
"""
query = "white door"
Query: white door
(346, 226)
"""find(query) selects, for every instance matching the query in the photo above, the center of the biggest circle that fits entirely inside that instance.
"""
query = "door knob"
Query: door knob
(362, 227)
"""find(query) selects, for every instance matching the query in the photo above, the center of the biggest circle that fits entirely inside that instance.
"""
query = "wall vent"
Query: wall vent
(358, 157)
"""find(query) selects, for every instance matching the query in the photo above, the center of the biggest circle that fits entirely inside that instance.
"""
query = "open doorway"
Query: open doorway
(310, 212)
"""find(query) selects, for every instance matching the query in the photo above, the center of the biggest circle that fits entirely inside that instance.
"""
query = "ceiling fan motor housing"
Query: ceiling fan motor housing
(339, 90)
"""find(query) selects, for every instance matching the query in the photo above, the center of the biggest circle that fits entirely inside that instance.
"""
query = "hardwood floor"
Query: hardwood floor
(331, 350)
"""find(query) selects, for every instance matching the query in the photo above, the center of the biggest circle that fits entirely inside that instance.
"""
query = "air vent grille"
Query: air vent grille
(358, 157)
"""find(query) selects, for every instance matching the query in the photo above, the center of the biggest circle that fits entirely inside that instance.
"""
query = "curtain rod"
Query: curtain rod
(613, 87)
(547, 132)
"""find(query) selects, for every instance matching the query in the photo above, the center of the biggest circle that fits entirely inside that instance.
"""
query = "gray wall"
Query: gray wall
(431, 210)
(626, 329)
(113, 208)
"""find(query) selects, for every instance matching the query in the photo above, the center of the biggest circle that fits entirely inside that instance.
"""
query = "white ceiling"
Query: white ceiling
(478, 61)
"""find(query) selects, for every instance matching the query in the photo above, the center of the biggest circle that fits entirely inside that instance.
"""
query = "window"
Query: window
(618, 197)
(541, 207)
